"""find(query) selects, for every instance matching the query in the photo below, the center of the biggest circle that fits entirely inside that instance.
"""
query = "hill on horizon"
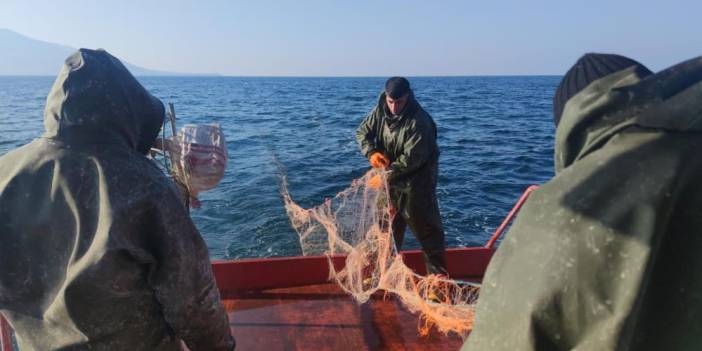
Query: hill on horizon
(24, 56)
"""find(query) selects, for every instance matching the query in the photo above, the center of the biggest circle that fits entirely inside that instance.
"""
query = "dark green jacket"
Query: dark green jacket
(96, 250)
(608, 254)
(409, 141)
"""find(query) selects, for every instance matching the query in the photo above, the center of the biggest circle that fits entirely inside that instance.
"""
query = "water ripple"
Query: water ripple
(495, 134)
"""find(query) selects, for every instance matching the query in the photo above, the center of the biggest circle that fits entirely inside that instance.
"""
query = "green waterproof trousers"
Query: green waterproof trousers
(418, 208)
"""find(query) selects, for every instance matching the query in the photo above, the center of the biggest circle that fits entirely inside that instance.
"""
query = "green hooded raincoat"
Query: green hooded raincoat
(606, 255)
(97, 251)
(409, 141)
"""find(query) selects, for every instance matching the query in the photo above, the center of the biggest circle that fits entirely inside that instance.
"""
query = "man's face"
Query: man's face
(396, 105)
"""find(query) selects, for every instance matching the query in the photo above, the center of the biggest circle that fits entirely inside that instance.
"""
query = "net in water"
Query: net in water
(356, 223)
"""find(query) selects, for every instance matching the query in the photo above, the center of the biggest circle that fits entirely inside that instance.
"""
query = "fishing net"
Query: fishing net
(356, 223)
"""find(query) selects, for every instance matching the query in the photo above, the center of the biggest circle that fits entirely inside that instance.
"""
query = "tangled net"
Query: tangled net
(355, 223)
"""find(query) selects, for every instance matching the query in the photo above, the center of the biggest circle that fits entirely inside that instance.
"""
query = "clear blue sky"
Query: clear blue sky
(362, 38)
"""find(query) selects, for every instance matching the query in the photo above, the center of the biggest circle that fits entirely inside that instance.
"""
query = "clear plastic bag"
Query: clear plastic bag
(200, 156)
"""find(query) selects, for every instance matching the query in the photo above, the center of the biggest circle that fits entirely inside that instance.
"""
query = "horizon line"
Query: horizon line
(215, 75)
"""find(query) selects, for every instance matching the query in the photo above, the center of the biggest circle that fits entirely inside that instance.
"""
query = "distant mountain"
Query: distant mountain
(21, 55)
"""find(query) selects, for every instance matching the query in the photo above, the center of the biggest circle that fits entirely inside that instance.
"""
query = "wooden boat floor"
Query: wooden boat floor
(322, 317)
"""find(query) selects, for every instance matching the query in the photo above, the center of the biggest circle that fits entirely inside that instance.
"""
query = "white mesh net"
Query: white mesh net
(355, 223)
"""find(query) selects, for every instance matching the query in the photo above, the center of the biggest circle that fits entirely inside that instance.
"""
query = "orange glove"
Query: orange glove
(375, 182)
(378, 160)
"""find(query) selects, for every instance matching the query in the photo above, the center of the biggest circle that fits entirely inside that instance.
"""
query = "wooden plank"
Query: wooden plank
(322, 317)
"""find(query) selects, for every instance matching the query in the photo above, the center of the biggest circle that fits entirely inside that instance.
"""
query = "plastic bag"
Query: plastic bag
(200, 156)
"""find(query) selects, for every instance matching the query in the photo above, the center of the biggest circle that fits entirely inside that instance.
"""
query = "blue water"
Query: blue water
(495, 136)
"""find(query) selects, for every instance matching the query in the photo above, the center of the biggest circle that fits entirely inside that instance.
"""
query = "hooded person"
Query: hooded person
(606, 255)
(97, 250)
(399, 135)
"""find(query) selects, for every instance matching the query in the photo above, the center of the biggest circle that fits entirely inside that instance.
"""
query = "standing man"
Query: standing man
(400, 136)
(97, 251)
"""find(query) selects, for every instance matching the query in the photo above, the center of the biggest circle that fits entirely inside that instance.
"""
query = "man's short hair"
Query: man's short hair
(397, 87)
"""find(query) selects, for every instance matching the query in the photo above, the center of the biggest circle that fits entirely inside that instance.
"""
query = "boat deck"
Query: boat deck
(287, 303)
(322, 317)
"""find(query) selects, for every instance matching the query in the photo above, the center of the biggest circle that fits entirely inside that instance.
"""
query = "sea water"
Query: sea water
(495, 136)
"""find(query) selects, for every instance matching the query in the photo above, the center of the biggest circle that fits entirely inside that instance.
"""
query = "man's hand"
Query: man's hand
(378, 160)
(375, 182)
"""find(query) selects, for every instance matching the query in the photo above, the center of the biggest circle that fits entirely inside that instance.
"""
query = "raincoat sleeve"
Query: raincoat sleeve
(182, 279)
(367, 134)
(416, 151)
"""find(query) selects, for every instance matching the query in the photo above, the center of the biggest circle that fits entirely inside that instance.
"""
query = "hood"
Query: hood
(669, 100)
(95, 100)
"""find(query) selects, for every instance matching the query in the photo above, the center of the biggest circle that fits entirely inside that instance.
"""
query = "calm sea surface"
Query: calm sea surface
(495, 136)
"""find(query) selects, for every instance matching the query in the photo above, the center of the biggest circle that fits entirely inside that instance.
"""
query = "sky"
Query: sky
(365, 38)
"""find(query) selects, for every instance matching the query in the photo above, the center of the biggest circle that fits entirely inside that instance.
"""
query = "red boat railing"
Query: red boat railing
(5, 337)
(296, 271)
(498, 232)
(286, 272)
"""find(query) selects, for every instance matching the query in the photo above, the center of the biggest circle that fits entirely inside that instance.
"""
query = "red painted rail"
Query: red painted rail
(5, 337)
(286, 272)
(498, 232)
